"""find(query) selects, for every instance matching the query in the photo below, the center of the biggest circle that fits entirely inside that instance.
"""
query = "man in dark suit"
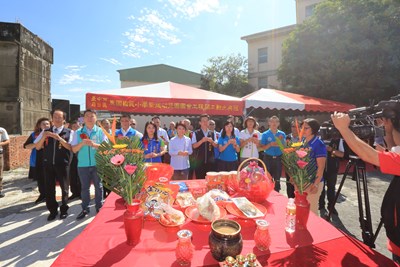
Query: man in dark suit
(203, 142)
(55, 143)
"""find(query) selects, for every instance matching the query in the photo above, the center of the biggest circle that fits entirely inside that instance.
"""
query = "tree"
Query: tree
(226, 75)
(349, 51)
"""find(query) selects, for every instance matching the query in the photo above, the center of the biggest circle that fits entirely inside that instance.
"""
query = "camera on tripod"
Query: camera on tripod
(363, 120)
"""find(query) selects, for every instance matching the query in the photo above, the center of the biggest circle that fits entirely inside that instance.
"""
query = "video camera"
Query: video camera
(363, 120)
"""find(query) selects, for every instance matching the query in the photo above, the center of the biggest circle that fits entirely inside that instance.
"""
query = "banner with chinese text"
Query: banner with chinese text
(149, 105)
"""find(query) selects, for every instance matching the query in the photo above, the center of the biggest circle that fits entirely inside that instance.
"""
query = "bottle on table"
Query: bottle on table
(184, 249)
(262, 237)
(290, 216)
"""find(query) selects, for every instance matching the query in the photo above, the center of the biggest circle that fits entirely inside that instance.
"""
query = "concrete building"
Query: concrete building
(157, 74)
(25, 68)
(265, 48)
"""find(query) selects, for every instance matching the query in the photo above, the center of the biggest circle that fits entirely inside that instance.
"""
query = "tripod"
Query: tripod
(358, 165)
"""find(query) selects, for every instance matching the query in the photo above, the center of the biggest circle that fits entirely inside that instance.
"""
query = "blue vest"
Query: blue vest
(86, 155)
(32, 159)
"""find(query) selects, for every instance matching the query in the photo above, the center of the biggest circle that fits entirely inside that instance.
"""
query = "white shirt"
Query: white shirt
(177, 144)
(57, 131)
(250, 150)
(161, 133)
(3, 137)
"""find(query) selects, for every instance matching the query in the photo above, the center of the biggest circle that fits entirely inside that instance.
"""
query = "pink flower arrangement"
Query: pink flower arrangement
(302, 164)
(120, 163)
(117, 159)
(301, 154)
(130, 169)
(298, 164)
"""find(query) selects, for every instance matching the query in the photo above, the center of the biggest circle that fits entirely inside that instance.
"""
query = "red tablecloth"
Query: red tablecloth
(102, 242)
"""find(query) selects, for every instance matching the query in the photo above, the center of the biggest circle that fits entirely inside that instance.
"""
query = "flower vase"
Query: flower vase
(302, 210)
(133, 222)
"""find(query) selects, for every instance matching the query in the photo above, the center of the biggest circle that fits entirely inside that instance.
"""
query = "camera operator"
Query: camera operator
(336, 151)
(389, 162)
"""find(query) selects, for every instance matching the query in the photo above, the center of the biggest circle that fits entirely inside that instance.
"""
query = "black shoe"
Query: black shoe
(73, 197)
(40, 199)
(2, 194)
(63, 215)
(82, 215)
(52, 216)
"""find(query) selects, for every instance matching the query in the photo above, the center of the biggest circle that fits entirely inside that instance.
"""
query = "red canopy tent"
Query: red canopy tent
(281, 100)
(165, 98)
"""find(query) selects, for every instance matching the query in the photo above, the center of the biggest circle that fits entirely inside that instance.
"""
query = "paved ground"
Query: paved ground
(27, 239)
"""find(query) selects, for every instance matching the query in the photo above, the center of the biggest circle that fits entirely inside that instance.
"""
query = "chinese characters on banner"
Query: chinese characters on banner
(166, 106)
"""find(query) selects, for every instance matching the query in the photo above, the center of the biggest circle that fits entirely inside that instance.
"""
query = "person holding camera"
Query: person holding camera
(335, 149)
(389, 162)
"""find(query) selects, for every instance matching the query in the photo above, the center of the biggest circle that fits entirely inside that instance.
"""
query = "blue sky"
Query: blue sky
(92, 39)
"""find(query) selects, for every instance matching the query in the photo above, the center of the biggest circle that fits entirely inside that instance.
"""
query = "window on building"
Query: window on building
(262, 82)
(310, 10)
(263, 55)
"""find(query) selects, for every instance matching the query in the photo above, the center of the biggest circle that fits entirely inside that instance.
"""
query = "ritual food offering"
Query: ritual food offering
(250, 260)
(182, 186)
(216, 180)
(219, 195)
(171, 216)
(247, 207)
(208, 208)
(234, 210)
(196, 187)
(193, 214)
(253, 182)
(185, 199)
(158, 173)
(152, 198)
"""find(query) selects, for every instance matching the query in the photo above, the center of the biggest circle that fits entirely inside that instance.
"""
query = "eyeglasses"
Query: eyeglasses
(133, 123)
(211, 124)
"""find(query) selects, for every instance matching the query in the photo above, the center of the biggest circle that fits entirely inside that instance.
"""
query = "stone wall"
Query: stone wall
(15, 155)
(25, 76)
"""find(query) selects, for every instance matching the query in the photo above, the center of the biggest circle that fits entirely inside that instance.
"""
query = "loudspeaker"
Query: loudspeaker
(62, 105)
(74, 111)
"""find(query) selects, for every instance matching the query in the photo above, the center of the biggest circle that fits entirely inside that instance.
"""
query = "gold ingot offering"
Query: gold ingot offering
(240, 260)
(230, 261)
(251, 259)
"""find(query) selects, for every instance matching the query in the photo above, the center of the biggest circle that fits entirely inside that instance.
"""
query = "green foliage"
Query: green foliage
(115, 177)
(349, 51)
(226, 75)
(301, 176)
